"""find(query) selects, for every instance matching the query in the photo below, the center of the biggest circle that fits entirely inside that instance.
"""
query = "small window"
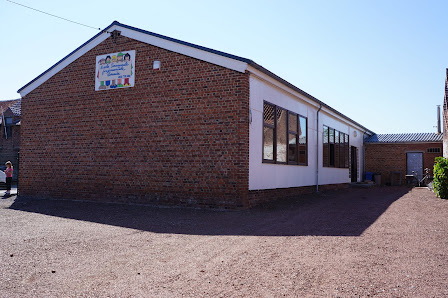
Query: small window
(433, 150)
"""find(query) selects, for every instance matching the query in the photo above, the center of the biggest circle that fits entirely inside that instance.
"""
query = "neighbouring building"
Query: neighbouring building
(10, 132)
(394, 156)
(445, 118)
(134, 116)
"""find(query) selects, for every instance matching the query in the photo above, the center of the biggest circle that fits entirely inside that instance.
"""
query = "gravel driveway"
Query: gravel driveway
(387, 242)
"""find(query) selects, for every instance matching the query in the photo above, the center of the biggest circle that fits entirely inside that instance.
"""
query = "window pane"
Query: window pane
(292, 148)
(268, 114)
(292, 123)
(268, 146)
(8, 120)
(303, 157)
(342, 151)
(347, 152)
(331, 136)
(331, 155)
(281, 135)
(325, 136)
(325, 161)
(302, 130)
(336, 149)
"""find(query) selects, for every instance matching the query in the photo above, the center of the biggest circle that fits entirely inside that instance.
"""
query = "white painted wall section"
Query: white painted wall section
(271, 176)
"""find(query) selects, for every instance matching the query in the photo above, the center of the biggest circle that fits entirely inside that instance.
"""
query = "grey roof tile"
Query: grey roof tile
(405, 138)
(16, 109)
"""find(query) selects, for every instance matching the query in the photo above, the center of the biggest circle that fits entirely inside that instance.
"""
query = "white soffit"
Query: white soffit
(143, 37)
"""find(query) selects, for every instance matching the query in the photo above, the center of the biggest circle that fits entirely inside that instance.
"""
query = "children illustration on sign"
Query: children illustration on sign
(115, 70)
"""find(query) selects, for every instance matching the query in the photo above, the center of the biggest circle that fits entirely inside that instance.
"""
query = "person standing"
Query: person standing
(8, 172)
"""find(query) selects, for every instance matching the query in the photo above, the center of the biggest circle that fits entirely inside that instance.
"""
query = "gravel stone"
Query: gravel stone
(383, 242)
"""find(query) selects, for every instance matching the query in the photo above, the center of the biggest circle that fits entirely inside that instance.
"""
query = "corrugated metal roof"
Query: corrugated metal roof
(405, 138)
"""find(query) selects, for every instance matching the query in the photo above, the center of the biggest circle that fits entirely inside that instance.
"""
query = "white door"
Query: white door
(415, 164)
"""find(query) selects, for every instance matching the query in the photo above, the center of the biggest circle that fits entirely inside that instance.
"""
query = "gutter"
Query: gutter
(317, 148)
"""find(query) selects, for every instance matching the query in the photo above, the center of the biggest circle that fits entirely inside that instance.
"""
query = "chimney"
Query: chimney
(439, 129)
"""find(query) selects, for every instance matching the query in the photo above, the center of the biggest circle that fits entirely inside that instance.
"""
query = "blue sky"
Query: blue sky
(381, 63)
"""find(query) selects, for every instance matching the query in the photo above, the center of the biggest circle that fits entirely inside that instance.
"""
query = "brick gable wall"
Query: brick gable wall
(179, 136)
(387, 158)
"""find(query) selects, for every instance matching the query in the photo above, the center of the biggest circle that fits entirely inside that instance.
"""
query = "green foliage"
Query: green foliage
(441, 177)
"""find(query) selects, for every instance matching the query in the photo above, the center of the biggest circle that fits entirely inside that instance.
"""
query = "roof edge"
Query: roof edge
(210, 50)
(67, 56)
(216, 52)
(297, 89)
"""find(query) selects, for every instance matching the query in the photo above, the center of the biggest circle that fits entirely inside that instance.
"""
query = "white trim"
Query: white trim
(64, 64)
(146, 38)
(185, 50)
(262, 76)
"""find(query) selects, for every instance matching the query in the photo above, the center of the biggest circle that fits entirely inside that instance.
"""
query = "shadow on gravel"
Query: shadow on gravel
(339, 213)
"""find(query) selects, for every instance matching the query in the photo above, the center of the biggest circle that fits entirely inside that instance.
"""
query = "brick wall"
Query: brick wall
(258, 197)
(387, 158)
(179, 136)
(9, 147)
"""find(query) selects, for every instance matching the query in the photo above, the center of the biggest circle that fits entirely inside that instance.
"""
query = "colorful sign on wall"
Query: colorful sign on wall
(115, 70)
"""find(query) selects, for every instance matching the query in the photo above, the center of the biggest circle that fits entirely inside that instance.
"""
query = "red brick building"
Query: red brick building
(396, 155)
(141, 117)
(10, 134)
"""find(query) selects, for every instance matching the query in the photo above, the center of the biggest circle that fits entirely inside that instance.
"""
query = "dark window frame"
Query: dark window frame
(433, 150)
(277, 135)
(341, 147)
(288, 132)
(326, 146)
(306, 140)
(296, 133)
(274, 135)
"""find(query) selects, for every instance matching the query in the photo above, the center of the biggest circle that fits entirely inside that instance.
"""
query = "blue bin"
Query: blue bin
(369, 176)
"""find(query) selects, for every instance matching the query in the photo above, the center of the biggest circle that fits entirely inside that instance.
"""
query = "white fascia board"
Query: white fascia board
(260, 75)
(184, 49)
(64, 63)
(146, 38)
(338, 117)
